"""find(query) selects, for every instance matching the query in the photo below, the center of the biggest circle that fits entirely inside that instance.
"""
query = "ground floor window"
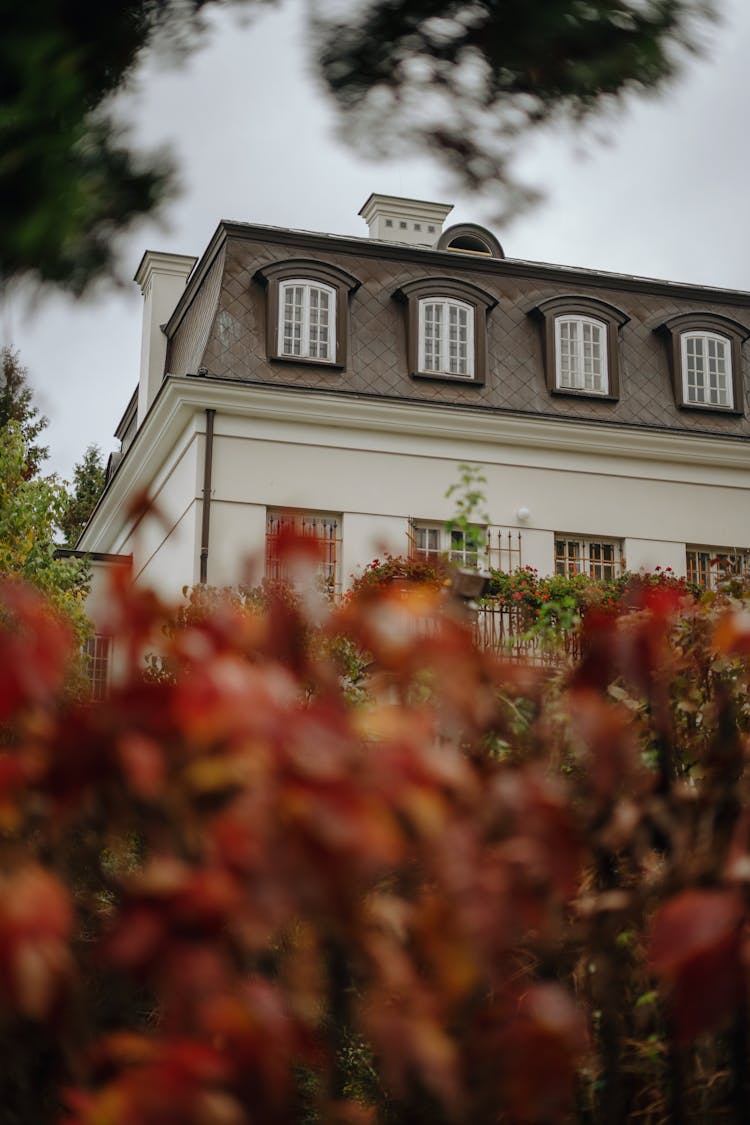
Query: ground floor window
(434, 540)
(96, 653)
(708, 566)
(599, 558)
(322, 529)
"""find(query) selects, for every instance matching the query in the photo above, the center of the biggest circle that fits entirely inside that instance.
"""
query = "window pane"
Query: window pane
(293, 313)
(707, 370)
(319, 322)
(581, 354)
(306, 321)
(600, 559)
(432, 330)
(97, 655)
(446, 342)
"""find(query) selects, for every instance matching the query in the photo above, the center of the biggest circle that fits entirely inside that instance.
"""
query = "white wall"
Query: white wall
(165, 543)
(378, 464)
(377, 490)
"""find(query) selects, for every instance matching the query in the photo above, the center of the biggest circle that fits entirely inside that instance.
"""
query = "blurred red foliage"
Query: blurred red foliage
(236, 893)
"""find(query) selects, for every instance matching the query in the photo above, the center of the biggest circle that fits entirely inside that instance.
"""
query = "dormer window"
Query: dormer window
(446, 329)
(307, 311)
(705, 357)
(706, 369)
(446, 338)
(307, 318)
(581, 354)
(581, 345)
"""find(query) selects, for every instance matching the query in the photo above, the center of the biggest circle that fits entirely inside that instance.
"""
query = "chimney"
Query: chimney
(162, 279)
(410, 221)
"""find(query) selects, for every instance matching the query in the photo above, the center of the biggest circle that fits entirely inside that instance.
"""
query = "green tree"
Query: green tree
(461, 78)
(16, 405)
(30, 511)
(89, 478)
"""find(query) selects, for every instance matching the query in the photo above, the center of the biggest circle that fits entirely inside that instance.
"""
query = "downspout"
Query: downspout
(207, 467)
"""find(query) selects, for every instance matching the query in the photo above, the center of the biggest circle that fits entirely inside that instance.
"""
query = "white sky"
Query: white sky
(665, 195)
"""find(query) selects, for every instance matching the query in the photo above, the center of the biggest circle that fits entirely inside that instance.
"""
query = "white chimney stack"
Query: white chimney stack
(162, 279)
(411, 221)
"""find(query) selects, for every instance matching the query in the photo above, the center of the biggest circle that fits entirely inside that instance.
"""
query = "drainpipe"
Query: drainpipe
(207, 466)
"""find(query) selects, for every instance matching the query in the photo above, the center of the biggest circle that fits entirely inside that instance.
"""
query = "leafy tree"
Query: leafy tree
(461, 78)
(30, 511)
(89, 478)
(16, 406)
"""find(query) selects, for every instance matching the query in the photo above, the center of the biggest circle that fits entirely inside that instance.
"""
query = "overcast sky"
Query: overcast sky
(659, 190)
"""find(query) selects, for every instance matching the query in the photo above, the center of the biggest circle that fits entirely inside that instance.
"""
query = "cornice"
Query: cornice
(181, 398)
(160, 261)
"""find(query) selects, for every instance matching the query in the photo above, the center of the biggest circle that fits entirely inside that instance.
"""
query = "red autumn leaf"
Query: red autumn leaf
(538, 1053)
(604, 739)
(142, 763)
(36, 921)
(35, 649)
(732, 633)
(180, 1082)
(695, 949)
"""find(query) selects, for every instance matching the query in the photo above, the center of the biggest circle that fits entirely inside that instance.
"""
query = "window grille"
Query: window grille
(446, 338)
(306, 320)
(599, 558)
(707, 369)
(96, 652)
(504, 550)
(709, 566)
(581, 354)
(325, 530)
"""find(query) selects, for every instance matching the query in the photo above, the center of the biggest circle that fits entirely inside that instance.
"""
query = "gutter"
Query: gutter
(207, 470)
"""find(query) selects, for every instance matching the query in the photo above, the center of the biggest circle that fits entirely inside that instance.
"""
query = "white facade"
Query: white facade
(376, 463)
(380, 464)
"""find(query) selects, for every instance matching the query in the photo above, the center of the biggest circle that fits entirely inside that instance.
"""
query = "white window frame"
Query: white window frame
(722, 393)
(433, 541)
(598, 558)
(461, 364)
(97, 651)
(309, 340)
(593, 381)
(710, 566)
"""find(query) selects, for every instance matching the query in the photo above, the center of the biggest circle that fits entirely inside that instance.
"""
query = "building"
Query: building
(339, 382)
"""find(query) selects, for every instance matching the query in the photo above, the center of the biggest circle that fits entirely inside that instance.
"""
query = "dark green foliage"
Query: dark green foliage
(68, 182)
(16, 406)
(89, 478)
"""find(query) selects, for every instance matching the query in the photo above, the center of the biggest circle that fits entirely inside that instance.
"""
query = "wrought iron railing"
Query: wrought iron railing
(511, 631)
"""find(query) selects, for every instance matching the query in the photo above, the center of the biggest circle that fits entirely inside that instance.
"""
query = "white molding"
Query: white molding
(419, 429)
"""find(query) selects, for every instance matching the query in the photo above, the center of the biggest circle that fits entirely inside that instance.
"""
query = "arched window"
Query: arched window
(706, 368)
(307, 311)
(705, 356)
(581, 354)
(446, 337)
(446, 328)
(307, 320)
(581, 345)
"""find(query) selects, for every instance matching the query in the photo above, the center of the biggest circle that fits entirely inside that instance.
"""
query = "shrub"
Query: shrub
(238, 893)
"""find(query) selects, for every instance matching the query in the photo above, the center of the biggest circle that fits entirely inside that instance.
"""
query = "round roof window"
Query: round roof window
(469, 238)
